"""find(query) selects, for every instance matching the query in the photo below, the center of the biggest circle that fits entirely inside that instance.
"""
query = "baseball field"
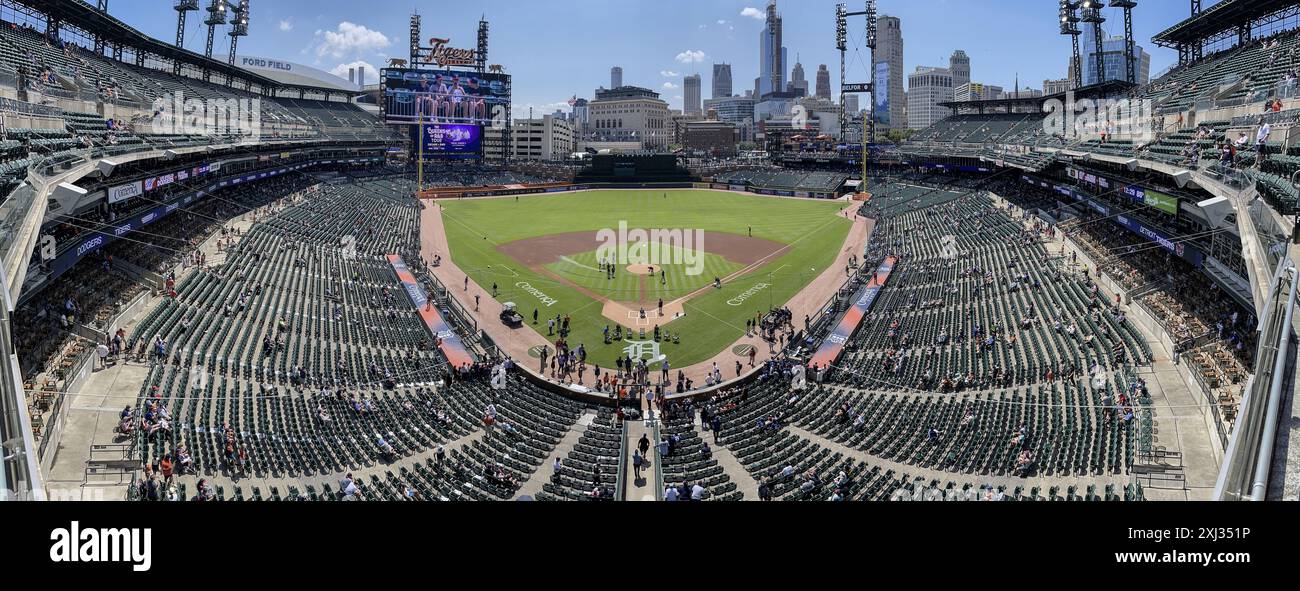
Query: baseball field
(714, 259)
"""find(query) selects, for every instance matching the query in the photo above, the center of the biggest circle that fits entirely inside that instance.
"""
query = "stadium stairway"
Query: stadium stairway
(545, 475)
(644, 488)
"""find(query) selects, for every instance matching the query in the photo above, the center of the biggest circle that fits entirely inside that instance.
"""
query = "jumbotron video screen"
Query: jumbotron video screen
(444, 96)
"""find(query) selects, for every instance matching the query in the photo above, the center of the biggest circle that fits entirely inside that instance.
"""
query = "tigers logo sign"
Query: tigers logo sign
(445, 56)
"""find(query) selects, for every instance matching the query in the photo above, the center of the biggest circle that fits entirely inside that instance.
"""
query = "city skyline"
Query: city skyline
(669, 40)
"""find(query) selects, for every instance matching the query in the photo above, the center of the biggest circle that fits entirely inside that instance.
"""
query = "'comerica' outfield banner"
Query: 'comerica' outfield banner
(833, 346)
(455, 351)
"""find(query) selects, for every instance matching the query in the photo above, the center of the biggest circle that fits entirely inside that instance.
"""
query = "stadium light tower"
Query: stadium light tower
(480, 62)
(842, 44)
(1070, 26)
(416, 38)
(182, 7)
(1196, 49)
(99, 39)
(1092, 14)
(216, 16)
(238, 28)
(1130, 60)
(842, 15)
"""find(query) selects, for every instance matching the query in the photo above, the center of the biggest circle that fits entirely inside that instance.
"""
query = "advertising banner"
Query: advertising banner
(451, 345)
(833, 346)
(121, 193)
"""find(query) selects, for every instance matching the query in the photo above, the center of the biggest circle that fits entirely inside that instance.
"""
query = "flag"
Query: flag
(573, 101)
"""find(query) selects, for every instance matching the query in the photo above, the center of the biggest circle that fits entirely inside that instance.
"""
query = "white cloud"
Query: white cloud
(668, 74)
(753, 13)
(350, 39)
(670, 86)
(722, 22)
(703, 26)
(690, 56)
(286, 26)
(557, 105)
(341, 70)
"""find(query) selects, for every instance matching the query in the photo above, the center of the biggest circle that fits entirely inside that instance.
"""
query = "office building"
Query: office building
(1113, 59)
(737, 110)
(926, 88)
(798, 83)
(823, 82)
(1051, 87)
(974, 91)
(716, 138)
(548, 138)
(959, 65)
(890, 109)
(691, 95)
(630, 114)
(772, 55)
(721, 81)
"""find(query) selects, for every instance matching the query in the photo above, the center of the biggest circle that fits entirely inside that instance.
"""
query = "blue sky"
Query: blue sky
(559, 48)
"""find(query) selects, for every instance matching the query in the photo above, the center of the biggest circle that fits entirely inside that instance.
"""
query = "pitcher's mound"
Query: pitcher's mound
(647, 270)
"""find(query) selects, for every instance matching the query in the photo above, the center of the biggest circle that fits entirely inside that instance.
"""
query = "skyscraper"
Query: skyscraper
(691, 95)
(959, 65)
(1113, 60)
(823, 82)
(771, 70)
(721, 81)
(798, 83)
(615, 77)
(926, 88)
(580, 115)
(851, 105)
(890, 109)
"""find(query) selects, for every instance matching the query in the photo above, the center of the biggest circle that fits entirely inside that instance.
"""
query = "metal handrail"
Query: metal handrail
(658, 466)
(1244, 472)
(620, 482)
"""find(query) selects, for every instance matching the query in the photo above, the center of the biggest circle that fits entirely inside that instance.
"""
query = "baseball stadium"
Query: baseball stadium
(234, 278)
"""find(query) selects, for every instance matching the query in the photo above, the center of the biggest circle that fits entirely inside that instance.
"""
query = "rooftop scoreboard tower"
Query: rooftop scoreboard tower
(456, 105)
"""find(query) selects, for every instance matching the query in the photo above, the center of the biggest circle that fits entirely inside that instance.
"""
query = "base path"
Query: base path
(517, 342)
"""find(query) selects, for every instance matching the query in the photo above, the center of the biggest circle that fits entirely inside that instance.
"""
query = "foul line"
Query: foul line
(577, 264)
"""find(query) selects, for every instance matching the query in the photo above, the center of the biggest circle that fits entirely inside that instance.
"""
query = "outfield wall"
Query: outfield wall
(561, 188)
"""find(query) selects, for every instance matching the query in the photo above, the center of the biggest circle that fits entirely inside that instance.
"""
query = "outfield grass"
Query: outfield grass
(811, 227)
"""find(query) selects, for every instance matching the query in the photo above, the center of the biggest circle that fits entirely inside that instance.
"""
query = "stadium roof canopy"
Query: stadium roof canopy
(297, 75)
(1225, 16)
(81, 15)
(1109, 88)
